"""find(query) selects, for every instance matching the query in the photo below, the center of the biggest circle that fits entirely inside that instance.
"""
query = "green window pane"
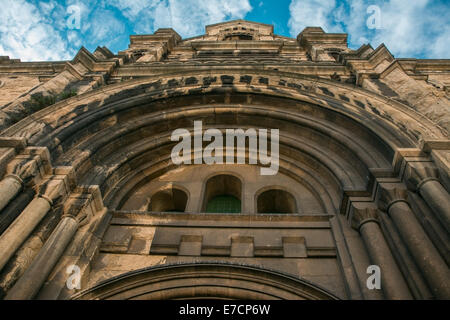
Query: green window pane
(224, 204)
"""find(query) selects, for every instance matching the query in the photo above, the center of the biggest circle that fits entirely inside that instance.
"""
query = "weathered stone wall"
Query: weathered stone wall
(14, 86)
(430, 98)
(85, 144)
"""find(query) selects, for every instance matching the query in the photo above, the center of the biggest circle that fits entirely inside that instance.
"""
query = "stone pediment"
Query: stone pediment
(239, 30)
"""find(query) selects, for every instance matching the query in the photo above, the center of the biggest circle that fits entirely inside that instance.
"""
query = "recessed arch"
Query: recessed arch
(169, 199)
(205, 280)
(298, 91)
(149, 142)
(275, 200)
(106, 153)
(362, 131)
(222, 194)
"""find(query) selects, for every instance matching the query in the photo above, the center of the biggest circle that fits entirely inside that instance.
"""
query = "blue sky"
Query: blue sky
(55, 29)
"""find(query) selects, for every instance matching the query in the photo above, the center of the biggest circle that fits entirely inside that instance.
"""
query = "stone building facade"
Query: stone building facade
(89, 190)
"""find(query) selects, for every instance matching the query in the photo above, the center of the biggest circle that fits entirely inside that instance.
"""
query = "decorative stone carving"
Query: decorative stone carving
(51, 190)
(25, 170)
(423, 177)
(363, 215)
(418, 173)
(390, 195)
(20, 172)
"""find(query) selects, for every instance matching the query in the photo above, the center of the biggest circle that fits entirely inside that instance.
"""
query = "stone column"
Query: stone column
(30, 217)
(33, 278)
(9, 188)
(12, 210)
(365, 220)
(424, 178)
(431, 264)
(13, 182)
(19, 230)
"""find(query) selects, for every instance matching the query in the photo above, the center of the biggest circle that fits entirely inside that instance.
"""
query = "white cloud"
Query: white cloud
(190, 17)
(409, 28)
(37, 30)
(132, 8)
(25, 34)
(313, 13)
(440, 46)
(187, 17)
(104, 26)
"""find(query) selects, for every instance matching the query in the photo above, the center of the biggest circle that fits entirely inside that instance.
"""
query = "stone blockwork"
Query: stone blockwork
(88, 186)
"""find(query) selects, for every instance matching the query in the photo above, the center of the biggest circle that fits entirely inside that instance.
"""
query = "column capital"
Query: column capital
(362, 215)
(78, 209)
(52, 190)
(30, 165)
(418, 173)
(84, 204)
(23, 170)
(390, 194)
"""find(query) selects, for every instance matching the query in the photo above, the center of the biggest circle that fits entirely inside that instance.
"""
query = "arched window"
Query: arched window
(224, 204)
(276, 201)
(168, 200)
(222, 194)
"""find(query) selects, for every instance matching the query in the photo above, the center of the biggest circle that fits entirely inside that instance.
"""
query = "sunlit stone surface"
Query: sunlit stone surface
(89, 193)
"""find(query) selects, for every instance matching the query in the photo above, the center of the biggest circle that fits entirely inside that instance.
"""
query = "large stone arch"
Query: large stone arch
(107, 135)
(333, 136)
(359, 153)
(205, 280)
(357, 103)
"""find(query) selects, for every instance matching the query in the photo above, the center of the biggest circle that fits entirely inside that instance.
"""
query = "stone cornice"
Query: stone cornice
(92, 63)
(316, 35)
(33, 68)
(255, 45)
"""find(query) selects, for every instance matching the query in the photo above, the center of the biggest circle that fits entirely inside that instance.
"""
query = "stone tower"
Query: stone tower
(89, 190)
